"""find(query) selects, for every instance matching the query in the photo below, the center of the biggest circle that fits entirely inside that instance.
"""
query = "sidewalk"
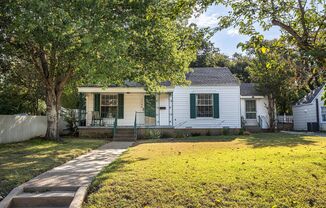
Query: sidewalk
(69, 177)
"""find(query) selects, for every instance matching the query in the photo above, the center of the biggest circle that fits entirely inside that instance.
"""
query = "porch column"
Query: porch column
(89, 108)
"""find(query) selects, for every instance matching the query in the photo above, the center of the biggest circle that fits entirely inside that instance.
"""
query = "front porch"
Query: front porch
(106, 110)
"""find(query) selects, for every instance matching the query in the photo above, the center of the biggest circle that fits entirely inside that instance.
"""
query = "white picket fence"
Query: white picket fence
(285, 119)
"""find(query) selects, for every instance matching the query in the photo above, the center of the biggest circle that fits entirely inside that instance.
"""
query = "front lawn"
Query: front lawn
(261, 170)
(22, 161)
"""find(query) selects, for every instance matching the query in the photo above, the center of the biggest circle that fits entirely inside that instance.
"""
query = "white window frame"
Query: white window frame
(209, 103)
(323, 108)
(251, 112)
(108, 104)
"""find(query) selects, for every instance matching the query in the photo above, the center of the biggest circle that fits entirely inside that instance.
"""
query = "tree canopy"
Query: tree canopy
(100, 42)
(302, 22)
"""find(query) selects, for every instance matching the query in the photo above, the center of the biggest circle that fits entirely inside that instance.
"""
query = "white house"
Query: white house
(211, 102)
(310, 111)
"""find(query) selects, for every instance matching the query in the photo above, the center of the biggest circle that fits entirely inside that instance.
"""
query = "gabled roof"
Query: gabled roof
(206, 76)
(310, 97)
(210, 76)
(249, 89)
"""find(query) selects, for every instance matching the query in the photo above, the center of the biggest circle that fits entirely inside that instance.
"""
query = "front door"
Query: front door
(251, 113)
(150, 110)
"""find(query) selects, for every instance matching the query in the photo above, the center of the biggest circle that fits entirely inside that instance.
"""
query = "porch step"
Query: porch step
(53, 199)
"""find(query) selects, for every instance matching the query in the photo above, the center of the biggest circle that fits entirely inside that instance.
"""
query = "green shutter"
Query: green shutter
(120, 105)
(192, 105)
(97, 102)
(216, 101)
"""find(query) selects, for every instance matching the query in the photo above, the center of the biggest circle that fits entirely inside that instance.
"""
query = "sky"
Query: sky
(227, 39)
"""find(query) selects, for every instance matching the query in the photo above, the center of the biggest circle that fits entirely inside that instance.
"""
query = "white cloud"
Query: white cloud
(204, 20)
(233, 32)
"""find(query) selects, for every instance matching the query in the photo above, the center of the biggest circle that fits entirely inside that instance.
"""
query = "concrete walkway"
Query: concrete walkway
(73, 177)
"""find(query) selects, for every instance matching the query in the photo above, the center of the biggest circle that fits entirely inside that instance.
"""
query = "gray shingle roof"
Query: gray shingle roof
(210, 76)
(310, 96)
(249, 89)
(207, 76)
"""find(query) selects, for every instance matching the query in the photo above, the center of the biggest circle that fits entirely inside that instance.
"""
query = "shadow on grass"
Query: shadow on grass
(224, 138)
(276, 140)
(115, 166)
(255, 140)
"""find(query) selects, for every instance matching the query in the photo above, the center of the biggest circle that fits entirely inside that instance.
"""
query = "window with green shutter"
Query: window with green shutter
(204, 105)
(193, 106)
(120, 105)
(97, 102)
(216, 101)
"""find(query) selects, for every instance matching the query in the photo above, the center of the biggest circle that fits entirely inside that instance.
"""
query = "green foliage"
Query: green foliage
(226, 131)
(238, 65)
(71, 118)
(209, 56)
(302, 24)
(98, 42)
(274, 71)
(20, 93)
(216, 171)
(152, 134)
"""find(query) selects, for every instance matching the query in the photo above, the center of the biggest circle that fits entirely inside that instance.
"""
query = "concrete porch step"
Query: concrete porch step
(43, 199)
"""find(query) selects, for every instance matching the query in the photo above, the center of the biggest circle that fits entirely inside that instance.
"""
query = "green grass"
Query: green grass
(260, 170)
(22, 161)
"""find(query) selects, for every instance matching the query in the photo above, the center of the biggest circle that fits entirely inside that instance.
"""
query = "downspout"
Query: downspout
(317, 114)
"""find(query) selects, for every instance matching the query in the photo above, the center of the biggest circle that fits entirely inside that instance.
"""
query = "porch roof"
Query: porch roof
(119, 89)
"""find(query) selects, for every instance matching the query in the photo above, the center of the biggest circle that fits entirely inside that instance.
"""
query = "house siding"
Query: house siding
(301, 118)
(303, 114)
(261, 110)
(229, 102)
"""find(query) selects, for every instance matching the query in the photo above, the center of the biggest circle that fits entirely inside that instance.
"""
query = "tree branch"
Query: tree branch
(303, 22)
(290, 30)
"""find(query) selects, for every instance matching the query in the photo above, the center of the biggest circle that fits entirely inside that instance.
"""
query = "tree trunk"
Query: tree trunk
(53, 107)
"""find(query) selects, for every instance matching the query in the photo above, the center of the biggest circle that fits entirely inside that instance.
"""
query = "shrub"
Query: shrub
(241, 131)
(194, 134)
(182, 134)
(246, 133)
(168, 134)
(152, 134)
(226, 130)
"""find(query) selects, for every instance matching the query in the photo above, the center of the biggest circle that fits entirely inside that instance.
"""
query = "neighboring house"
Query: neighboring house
(210, 103)
(309, 113)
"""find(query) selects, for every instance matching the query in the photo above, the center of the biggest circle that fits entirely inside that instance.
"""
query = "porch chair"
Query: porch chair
(96, 117)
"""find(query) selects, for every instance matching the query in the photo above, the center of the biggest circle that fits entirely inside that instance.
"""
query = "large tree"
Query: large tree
(97, 41)
(302, 22)
(274, 72)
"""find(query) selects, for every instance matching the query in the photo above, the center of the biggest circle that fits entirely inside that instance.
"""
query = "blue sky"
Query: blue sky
(227, 39)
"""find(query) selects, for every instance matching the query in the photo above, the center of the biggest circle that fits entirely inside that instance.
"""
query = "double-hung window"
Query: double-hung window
(250, 109)
(323, 113)
(109, 106)
(204, 105)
